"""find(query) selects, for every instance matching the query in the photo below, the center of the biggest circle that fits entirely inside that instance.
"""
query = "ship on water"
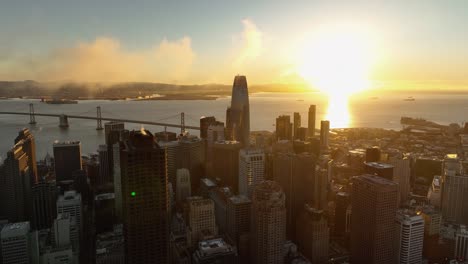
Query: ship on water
(59, 101)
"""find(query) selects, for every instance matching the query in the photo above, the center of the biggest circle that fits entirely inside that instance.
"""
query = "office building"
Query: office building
(104, 212)
(296, 175)
(215, 133)
(70, 204)
(15, 185)
(284, 127)
(226, 163)
(205, 122)
(238, 222)
(342, 202)
(410, 237)
(26, 139)
(373, 154)
(374, 203)
(64, 231)
(301, 134)
(191, 156)
(145, 199)
(44, 197)
(238, 114)
(401, 175)
(17, 244)
(104, 169)
(324, 133)
(268, 223)
(432, 221)
(461, 243)
(67, 157)
(220, 196)
(296, 124)
(251, 170)
(113, 126)
(313, 235)
(201, 220)
(311, 123)
(184, 186)
(172, 152)
(454, 191)
(214, 251)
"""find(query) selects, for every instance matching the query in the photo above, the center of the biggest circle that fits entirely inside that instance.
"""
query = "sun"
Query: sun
(337, 60)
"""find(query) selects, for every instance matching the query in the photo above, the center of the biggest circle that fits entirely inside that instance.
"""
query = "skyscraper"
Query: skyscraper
(215, 133)
(342, 202)
(70, 203)
(297, 124)
(145, 199)
(226, 163)
(104, 169)
(313, 235)
(454, 191)
(205, 122)
(184, 188)
(26, 139)
(324, 133)
(284, 127)
(112, 132)
(410, 237)
(251, 170)
(67, 156)
(311, 123)
(268, 224)
(238, 115)
(238, 221)
(44, 197)
(374, 204)
(16, 244)
(461, 243)
(191, 155)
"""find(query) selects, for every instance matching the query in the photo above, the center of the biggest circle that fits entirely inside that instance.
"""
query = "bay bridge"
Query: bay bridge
(63, 119)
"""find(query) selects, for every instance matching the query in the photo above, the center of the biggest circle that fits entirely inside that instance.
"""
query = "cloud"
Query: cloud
(106, 60)
(252, 41)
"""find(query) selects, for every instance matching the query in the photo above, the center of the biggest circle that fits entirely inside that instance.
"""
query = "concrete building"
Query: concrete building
(461, 243)
(284, 128)
(104, 167)
(70, 203)
(215, 133)
(191, 156)
(251, 170)
(401, 175)
(296, 124)
(313, 235)
(145, 199)
(17, 244)
(172, 156)
(410, 237)
(434, 193)
(213, 251)
(205, 122)
(110, 247)
(238, 223)
(67, 157)
(201, 220)
(342, 201)
(226, 163)
(454, 191)
(311, 123)
(268, 223)
(220, 196)
(238, 114)
(432, 221)
(374, 203)
(112, 126)
(184, 187)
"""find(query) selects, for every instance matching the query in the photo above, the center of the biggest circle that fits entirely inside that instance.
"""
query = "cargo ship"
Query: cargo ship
(60, 101)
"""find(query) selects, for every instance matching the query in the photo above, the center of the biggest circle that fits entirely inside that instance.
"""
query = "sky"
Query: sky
(198, 42)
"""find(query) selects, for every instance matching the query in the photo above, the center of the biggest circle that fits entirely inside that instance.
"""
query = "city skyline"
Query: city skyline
(95, 42)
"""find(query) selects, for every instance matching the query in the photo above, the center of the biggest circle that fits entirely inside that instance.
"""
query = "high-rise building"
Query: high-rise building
(191, 155)
(432, 221)
(238, 222)
(401, 175)
(214, 250)
(17, 244)
(226, 163)
(15, 185)
(296, 124)
(61, 230)
(104, 212)
(145, 199)
(104, 169)
(238, 115)
(410, 237)
(374, 204)
(381, 169)
(461, 243)
(284, 127)
(268, 223)
(70, 203)
(215, 133)
(220, 196)
(301, 133)
(44, 196)
(373, 154)
(454, 191)
(172, 156)
(205, 122)
(313, 235)
(434, 195)
(324, 133)
(67, 157)
(311, 123)
(113, 126)
(251, 170)
(184, 187)
(26, 139)
(342, 202)
(295, 173)
(201, 220)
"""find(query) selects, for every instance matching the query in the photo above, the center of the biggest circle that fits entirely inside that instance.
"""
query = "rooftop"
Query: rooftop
(379, 165)
(217, 246)
(66, 143)
(15, 229)
(374, 179)
(239, 199)
(104, 196)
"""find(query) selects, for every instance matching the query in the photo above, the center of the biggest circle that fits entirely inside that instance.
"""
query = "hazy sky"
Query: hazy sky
(200, 41)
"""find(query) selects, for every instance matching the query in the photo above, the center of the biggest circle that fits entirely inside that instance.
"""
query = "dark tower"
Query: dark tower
(238, 115)
(312, 120)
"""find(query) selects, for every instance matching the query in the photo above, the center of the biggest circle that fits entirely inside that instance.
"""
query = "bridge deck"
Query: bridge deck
(105, 119)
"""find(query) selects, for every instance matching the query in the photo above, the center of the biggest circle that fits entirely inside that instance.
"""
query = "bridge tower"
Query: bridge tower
(99, 118)
(32, 115)
(182, 123)
(63, 121)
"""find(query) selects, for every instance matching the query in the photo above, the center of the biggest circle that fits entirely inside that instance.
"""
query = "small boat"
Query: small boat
(410, 98)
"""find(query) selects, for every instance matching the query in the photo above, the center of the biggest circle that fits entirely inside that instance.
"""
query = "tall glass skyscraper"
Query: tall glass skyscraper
(238, 115)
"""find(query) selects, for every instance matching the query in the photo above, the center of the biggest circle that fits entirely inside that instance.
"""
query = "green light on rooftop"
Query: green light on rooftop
(133, 194)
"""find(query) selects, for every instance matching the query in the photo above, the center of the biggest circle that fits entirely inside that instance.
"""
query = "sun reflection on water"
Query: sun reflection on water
(338, 111)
